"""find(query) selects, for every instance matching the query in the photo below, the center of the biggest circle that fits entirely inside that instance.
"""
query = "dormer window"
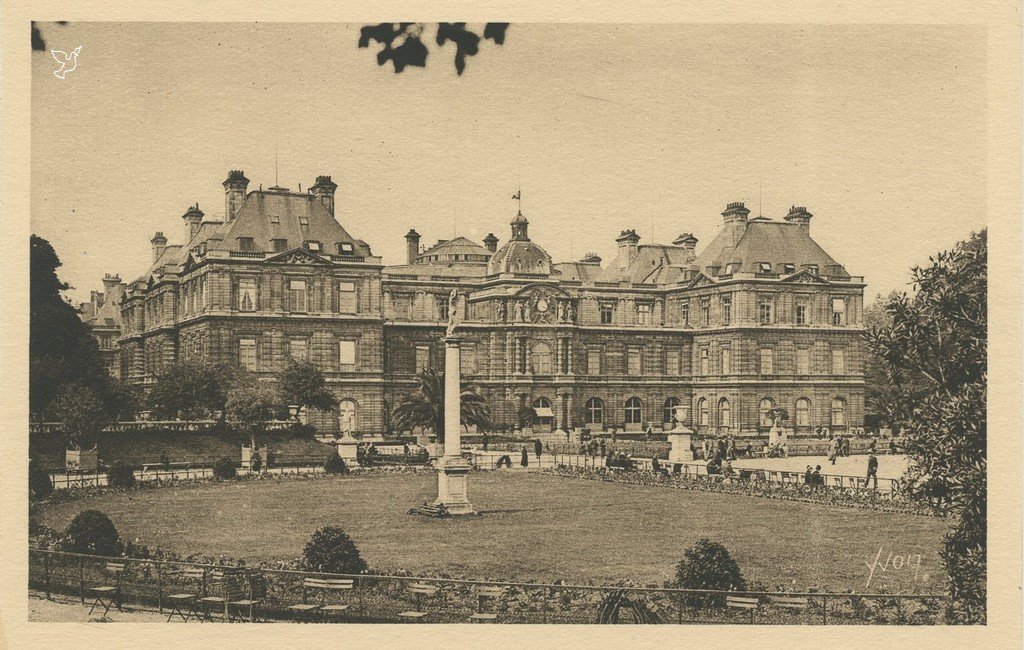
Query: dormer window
(812, 268)
(275, 219)
(789, 268)
(764, 267)
(313, 246)
(245, 244)
(732, 267)
(279, 245)
(303, 221)
(345, 248)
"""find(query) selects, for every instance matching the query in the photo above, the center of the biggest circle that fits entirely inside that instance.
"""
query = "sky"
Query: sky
(878, 130)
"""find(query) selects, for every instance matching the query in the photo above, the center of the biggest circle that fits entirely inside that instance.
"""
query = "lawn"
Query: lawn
(534, 527)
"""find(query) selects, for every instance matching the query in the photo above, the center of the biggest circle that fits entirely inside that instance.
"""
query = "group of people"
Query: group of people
(725, 448)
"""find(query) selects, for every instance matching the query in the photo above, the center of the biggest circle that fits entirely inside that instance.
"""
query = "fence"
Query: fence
(64, 481)
(146, 583)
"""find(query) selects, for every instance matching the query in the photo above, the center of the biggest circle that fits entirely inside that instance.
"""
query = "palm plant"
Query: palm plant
(425, 407)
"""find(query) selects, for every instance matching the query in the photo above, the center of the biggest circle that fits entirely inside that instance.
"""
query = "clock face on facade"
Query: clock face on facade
(542, 304)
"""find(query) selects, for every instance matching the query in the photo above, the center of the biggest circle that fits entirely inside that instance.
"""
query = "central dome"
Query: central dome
(520, 255)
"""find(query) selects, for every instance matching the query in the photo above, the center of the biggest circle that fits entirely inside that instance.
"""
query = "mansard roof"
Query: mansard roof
(653, 264)
(775, 242)
(452, 249)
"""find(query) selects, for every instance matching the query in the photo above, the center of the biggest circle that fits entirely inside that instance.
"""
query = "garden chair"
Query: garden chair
(185, 604)
(323, 587)
(109, 594)
(483, 595)
(253, 589)
(224, 585)
(748, 603)
(420, 591)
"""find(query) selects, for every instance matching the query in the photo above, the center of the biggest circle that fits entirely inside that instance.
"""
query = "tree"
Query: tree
(81, 413)
(303, 384)
(708, 565)
(331, 550)
(93, 533)
(61, 348)
(938, 337)
(885, 388)
(193, 390)
(250, 405)
(425, 407)
(39, 484)
(403, 44)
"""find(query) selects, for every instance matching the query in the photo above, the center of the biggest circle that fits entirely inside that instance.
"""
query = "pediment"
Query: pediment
(297, 256)
(701, 281)
(541, 288)
(805, 277)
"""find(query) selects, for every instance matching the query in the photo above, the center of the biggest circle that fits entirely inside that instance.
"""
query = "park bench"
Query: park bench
(483, 596)
(324, 587)
(109, 594)
(420, 591)
(224, 586)
(748, 603)
(185, 604)
(796, 603)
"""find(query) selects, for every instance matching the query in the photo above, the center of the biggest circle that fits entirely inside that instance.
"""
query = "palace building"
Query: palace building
(759, 318)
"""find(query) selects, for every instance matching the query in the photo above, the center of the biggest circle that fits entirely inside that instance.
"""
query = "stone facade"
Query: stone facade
(761, 318)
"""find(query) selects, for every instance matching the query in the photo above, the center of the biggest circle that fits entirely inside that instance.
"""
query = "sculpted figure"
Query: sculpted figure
(454, 311)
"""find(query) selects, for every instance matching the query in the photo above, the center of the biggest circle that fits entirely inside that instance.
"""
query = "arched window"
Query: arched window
(668, 414)
(347, 415)
(702, 410)
(839, 412)
(803, 412)
(593, 411)
(542, 402)
(764, 408)
(634, 411)
(724, 413)
(540, 358)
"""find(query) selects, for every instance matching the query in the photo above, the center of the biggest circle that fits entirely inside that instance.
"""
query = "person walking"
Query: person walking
(537, 447)
(833, 449)
(487, 441)
(525, 458)
(602, 448)
(872, 470)
(808, 476)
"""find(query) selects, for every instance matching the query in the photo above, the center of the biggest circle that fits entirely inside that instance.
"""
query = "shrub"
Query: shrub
(121, 475)
(335, 464)
(225, 468)
(39, 484)
(708, 565)
(332, 551)
(92, 532)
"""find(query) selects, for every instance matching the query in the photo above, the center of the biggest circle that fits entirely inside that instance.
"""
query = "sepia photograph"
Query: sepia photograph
(505, 323)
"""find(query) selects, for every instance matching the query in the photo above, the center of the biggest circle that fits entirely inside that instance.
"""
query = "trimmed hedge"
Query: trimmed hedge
(121, 475)
(92, 532)
(225, 468)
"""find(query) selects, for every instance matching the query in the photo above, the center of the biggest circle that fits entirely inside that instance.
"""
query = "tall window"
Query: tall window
(705, 312)
(467, 358)
(765, 307)
(838, 361)
(442, 308)
(726, 309)
(724, 413)
(803, 412)
(247, 294)
(803, 361)
(764, 408)
(403, 306)
(726, 361)
(540, 358)
(347, 297)
(839, 311)
(297, 295)
(347, 355)
(684, 313)
(634, 411)
(607, 313)
(672, 361)
(594, 361)
(643, 314)
(800, 318)
(422, 358)
(668, 410)
(247, 353)
(705, 362)
(633, 362)
(593, 411)
(702, 411)
(767, 361)
(839, 412)
(298, 349)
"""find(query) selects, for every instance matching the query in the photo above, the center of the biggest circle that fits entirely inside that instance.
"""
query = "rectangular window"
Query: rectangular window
(303, 221)
(298, 349)
(345, 248)
(467, 358)
(839, 311)
(594, 361)
(764, 267)
(403, 307)
(726, 361)
(275, 219)
(705, 362)
(607, 313)
(767, 361)
(789, 268)
(246, 244)
(633, 364)
(247, 294)
(672, 361)
(422, 358)
(803, 361)
(765, 307)
(812, 268)
(726, 310)
(684, 313)
(838, 361)
(313, 246)
(347, 355)
(279, 245)
(297, 295)
(442, 308)
(347, 297)
(800, 317)
(705, 312)
(643, 314)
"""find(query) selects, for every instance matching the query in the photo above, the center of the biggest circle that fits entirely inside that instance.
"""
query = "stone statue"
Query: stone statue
(454, 311)
(501, 311)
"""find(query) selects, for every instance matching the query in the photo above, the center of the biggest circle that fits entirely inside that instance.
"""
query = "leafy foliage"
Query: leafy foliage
(425, 407)
(121, 475)
(81, 413)
(193, 390)
(225, 468)
(332, 551)
(403, 44)
(303, 384)
(335, 464)
(938, 337)
(708, 565)
(39, 484)
(93, 533)
(250, 404)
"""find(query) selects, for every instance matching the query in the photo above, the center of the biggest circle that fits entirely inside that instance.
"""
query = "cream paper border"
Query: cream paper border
(1002, 20)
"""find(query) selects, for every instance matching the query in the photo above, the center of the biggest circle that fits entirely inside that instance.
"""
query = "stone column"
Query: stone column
(452, 403)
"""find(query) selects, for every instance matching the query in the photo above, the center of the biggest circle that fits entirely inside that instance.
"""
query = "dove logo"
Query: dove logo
(68, 62)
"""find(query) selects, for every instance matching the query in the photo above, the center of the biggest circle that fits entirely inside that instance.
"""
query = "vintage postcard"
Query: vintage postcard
(506, 327)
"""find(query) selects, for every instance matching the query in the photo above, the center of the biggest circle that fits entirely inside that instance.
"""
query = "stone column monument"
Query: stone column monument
(680, 437)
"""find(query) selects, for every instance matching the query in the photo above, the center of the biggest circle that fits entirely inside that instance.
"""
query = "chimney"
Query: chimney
(159, 243)
(628, 242)
(323, 189)
(113, 290)
(800, 215)
(735, 217)
(193, 219)
(412, 246)
(688, 243)
(491, 242)
(96, 298)
(591, 258)
(234, 193)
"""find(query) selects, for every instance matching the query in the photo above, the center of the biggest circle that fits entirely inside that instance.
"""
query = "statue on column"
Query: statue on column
(455, 306)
